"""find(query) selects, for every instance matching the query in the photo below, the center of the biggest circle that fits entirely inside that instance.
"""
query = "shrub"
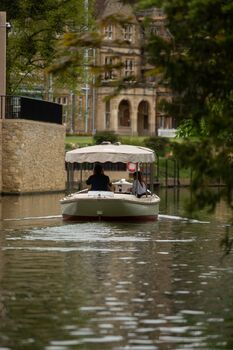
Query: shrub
(102, 136)
(132, 140)
(70, 146)
(158, 144)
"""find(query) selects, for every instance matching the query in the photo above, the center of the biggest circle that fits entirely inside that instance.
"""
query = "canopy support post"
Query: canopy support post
(152, 177)
(70, 177)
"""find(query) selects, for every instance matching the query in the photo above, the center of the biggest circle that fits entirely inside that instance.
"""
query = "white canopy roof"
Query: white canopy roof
(110, 153)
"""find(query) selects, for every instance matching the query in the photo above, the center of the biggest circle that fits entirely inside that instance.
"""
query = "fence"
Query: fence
(171, 175)
(17, 107)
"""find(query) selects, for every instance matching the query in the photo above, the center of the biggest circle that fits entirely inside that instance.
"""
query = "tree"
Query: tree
(37, 27)
(196, 63)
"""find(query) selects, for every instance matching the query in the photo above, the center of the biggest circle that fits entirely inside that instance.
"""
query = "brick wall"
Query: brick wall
(32, 157)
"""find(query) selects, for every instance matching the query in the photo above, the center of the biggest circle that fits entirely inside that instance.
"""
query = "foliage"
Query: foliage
(108, 136)
(196, 63)
(70, 146)
(37, 28)
(78, 49)
(188, 129)
(158, 144)
(132, 140)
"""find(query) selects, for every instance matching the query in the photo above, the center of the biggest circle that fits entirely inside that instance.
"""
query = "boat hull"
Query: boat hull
(109, 206)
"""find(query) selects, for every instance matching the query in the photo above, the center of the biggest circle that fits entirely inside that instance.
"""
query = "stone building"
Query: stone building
(134, 109)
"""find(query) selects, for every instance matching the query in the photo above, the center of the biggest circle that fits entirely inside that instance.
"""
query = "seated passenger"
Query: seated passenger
(99, 181)
(139, 186)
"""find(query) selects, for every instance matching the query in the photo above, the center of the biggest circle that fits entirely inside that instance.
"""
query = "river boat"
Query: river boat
(117, 205)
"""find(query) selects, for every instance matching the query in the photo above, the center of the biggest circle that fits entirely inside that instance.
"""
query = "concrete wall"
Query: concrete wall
(32, 156)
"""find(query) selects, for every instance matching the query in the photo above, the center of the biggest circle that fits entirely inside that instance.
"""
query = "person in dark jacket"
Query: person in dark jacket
(99, 181)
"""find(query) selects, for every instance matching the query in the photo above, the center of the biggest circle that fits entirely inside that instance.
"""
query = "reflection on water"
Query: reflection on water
(113, 286)
(24, 210)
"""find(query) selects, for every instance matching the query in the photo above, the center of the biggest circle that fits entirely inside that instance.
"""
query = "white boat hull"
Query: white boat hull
(107, 206)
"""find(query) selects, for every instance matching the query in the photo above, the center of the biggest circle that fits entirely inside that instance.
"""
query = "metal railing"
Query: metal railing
(18, 107)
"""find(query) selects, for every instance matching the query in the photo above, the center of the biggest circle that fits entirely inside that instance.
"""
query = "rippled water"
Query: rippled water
(162, 285)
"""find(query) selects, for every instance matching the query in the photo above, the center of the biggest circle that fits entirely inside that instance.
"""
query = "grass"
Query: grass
(72, 142)
(133, 140)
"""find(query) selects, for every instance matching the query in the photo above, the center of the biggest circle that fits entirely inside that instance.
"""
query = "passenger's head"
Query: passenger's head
(98, 169)
(137, 175)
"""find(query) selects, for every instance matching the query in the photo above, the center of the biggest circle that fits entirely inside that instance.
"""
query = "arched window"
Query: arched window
(143, 117)
(124, 114)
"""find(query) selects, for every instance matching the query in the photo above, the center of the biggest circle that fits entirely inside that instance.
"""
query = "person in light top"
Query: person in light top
(139, 186)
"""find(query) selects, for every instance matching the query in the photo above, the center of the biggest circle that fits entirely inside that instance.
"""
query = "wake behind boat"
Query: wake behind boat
(86, 205)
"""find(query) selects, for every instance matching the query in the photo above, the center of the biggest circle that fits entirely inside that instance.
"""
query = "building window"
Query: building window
(128, 32)
(107, 115)
(159, 30)
(61, 100)
(80, 106)
(143, 117)
(108, 32)
(124, 114)
(155, 30)
(108, 62)
(142, 33)
(129, 67)
(165, 122)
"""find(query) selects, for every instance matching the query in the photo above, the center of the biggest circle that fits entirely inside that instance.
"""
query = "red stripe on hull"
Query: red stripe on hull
(110, 218)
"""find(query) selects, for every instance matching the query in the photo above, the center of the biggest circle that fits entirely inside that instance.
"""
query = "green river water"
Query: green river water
(114, 286)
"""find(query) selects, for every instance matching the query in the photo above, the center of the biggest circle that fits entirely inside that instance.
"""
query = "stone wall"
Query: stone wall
(32, 156)
(2, 53)
(0, 155)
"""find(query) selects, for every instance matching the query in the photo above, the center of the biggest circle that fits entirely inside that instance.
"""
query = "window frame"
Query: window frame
(108, 32)
(128, 32)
